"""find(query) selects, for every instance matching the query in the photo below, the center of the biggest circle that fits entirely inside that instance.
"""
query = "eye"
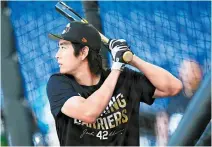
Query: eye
(62, 47)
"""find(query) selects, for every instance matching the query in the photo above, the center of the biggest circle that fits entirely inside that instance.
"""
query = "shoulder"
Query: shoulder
(55, 78)
(58, 81)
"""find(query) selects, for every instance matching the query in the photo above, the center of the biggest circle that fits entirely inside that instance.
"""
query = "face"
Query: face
(66, 59)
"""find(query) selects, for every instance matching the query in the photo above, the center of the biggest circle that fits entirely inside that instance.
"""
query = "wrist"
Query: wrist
(118, 66)
(137, 62)
(115, 71)
(132, 62)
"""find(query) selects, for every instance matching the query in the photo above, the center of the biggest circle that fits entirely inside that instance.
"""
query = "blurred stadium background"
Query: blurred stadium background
(163, 33)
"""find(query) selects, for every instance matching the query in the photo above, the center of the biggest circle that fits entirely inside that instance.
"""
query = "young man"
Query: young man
(95, 107)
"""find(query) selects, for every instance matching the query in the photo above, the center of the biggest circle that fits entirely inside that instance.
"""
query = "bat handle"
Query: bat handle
(127, 56)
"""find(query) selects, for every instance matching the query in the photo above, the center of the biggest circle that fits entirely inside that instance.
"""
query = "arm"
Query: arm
(89, 109)
(166, 84)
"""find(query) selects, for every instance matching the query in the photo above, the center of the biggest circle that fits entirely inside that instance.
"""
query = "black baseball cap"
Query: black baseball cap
(80, 33)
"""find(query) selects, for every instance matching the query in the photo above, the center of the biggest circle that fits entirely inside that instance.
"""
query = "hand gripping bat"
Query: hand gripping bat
(70, 14)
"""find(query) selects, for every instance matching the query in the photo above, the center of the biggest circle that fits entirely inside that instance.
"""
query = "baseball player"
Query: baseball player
(92, 106)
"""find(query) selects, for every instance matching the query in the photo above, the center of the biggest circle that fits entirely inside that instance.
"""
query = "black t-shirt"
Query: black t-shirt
(118, 125)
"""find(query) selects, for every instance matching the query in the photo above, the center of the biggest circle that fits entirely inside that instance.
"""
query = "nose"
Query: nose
(57, 54)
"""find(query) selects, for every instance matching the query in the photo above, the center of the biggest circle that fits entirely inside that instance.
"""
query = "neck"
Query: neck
(84, 76)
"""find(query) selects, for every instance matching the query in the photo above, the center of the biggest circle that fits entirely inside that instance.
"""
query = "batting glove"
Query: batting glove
(118, 47)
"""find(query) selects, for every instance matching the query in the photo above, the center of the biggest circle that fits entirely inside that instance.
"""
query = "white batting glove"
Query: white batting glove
(118, 47)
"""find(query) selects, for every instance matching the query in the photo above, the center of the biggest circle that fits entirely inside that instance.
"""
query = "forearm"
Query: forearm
(159, 77)
(99, 100)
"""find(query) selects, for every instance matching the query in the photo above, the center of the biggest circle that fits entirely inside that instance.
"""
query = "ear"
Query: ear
(84, 52)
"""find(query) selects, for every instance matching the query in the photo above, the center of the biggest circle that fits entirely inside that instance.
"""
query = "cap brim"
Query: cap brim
(54, 36)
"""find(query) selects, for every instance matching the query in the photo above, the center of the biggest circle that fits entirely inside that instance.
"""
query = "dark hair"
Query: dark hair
(94, 58)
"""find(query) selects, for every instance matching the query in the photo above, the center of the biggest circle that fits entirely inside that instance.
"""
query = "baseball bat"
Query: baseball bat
(70, 14)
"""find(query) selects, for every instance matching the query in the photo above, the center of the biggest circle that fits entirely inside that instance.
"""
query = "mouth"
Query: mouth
(60, 65)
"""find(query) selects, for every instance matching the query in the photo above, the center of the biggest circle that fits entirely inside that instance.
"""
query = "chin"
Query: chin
(62, 71)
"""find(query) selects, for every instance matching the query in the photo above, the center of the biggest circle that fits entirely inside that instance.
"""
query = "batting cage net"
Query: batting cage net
(173, 35)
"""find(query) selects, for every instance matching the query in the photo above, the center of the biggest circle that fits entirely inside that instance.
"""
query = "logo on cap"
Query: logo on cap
(84, 40)
(66, 29)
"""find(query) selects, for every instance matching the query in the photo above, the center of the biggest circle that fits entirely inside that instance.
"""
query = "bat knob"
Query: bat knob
(127, 56)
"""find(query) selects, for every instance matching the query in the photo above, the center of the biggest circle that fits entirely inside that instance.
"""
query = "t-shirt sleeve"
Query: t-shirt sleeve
(59, 90)
(143, 87)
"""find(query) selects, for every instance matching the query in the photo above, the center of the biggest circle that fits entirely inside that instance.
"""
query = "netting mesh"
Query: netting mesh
(162, 33)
